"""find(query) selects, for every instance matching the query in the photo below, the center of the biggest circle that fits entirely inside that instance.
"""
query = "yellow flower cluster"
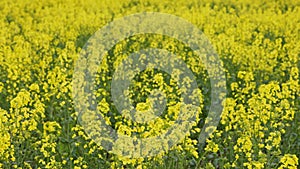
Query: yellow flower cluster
(257, 40)
(289, 161)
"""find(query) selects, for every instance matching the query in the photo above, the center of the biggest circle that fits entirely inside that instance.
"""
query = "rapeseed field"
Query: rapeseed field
(258, 46)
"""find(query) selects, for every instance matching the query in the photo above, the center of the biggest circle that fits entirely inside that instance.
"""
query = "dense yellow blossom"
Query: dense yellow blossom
(257, 40)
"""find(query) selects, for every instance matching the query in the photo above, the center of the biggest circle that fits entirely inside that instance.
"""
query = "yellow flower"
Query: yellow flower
(289, 161)
(211, 146)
